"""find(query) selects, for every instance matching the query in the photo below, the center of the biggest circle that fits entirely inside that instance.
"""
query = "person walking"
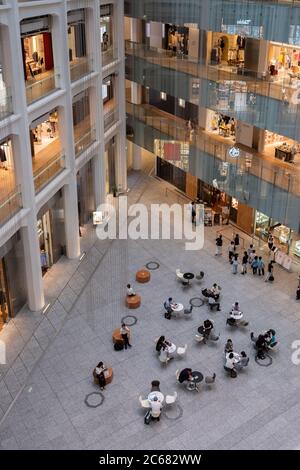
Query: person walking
(270, 276)
(244, 263)
(235, 264)
(219, 245)
(125, 333)
(250, 250)
(193, 212)
(237, 240)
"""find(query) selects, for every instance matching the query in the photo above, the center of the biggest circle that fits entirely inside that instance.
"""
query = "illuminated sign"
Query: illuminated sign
(234, 152)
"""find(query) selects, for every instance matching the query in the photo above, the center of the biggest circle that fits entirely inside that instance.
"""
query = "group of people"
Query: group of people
(264, 342)
(236, 316)
(234, 361)
(163, 348)
(206, 330)
(213, 296)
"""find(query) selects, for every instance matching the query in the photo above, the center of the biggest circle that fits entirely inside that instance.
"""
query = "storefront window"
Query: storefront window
(38, 61)
(106, 27)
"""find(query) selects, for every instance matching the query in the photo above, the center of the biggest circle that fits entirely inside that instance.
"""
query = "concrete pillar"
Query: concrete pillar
(71, 219)
(156, 34)
(136, 93)
(136, 157)
(34, 283)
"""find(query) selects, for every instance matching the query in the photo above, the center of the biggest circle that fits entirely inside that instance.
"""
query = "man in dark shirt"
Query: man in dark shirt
(185, 374)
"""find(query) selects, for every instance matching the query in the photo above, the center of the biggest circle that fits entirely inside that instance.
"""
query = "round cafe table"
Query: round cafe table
(177, 308)
(159, 395)
(171, 350)
(188, 277)
(197, 378)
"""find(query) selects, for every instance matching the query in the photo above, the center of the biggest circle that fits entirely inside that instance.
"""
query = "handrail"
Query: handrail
(89, 136)
(58, 158)
(10, 196)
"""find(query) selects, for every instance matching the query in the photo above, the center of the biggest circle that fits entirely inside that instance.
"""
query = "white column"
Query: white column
(66, 133)
(136, 157)
(136, 93)
(23, 165)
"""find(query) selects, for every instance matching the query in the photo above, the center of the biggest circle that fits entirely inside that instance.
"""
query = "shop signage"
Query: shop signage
(243, 22)
(234, 152)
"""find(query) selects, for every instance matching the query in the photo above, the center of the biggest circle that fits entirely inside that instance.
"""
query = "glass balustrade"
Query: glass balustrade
(80, 67)
(83, 141)
(5, 103)
(240, 93)
(110, 118)
(273, 187)
(109, 55)
(10, 204)
(46, 172)
(39, 88)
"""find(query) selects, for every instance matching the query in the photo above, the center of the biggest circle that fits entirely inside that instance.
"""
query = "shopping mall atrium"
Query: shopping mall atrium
(138, 342)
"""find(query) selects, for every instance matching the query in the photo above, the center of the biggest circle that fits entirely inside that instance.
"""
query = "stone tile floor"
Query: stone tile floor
(259, 409)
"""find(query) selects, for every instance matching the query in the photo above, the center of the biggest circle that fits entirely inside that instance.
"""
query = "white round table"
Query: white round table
(157, 394)
(236, 315)
(179, 308)
(171, 350)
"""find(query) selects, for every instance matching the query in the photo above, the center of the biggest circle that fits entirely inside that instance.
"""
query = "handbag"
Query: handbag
(147, 417)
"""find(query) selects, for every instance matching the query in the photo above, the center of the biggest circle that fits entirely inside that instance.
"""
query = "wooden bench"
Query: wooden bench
(133, 301)
(143, 276)
(108, 374)
(117, 338)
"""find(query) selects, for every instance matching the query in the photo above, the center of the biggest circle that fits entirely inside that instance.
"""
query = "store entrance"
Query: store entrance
(5, 306)
(45, 241)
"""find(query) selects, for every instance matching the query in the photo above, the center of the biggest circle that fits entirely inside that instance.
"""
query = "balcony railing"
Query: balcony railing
(10, 205)
(278, 173)
(46, 173)
(84, 141)
(109, 55)
(110, 118)
(80, 67)
(40, 88)
(5, 103)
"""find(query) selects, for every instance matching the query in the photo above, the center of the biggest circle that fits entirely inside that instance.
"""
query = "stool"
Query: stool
(143, 276)
(133, 301)
(117, 338)
(108, 374)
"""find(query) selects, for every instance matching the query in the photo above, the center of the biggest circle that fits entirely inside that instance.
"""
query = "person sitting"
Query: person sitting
(99, 372)
(260, 344)
(216, 290)
(155, 386)
(156, 407)
(168, 307)
(160, 343)
(243, 361)
(130, 291)
(206, 330)
(186, 376)
(212, 302)
(236, 316)
(270, 337)
(230, 363)
(228, 346)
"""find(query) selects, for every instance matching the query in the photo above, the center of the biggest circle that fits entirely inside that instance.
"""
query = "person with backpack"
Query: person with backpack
(219, 245)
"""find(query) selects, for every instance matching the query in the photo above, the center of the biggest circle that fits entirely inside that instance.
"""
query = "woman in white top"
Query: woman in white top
(125, 332)
(130, 291)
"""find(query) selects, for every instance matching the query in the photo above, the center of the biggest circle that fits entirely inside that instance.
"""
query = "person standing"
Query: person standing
(260, 266)
(193, 212)
(254, 265)
(270, 276)
(219, 245)
(125, 333)
(250, 250)
(270, 242)
(231, 250)
(237, 240)
(235, 264)
(244, 263)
